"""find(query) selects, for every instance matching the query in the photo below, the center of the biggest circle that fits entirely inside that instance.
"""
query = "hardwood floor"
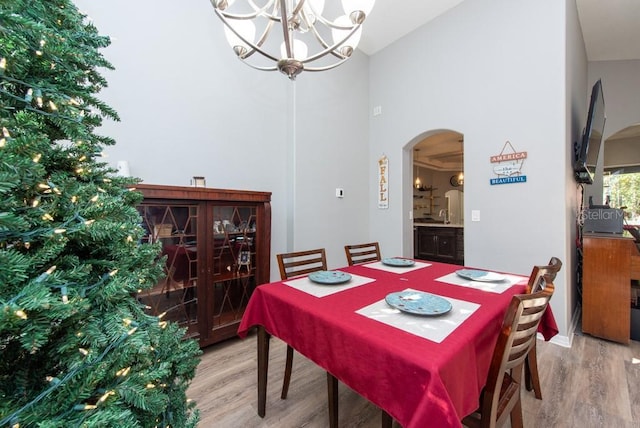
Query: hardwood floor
(594, 384)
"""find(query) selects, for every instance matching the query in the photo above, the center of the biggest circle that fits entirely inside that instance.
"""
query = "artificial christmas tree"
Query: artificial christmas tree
(76, 346)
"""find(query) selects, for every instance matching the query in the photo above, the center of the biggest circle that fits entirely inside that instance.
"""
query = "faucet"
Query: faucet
(444, 213)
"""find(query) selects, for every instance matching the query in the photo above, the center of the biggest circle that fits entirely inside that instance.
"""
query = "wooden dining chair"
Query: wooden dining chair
(500, 397)
(540, 276)
(362, 253)
(293, 265)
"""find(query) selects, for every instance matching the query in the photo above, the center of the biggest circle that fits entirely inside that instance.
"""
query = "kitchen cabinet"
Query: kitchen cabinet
(216, 246)
(439, 243)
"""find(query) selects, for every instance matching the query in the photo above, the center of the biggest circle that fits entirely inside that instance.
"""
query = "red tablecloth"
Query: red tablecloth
(418, 382)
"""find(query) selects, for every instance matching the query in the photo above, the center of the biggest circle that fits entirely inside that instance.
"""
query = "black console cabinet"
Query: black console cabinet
(440, 244)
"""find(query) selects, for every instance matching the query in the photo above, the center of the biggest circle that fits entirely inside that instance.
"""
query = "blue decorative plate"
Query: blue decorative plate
(330, 277)
(398, 262)
(418, 303)
(480, 275)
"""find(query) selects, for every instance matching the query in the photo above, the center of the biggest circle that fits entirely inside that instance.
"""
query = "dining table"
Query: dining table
(424, 366)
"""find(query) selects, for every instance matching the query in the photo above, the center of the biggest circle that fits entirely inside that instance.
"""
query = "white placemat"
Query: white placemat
(434, 328)
(396, 269)
(493, 287)
(321, 290)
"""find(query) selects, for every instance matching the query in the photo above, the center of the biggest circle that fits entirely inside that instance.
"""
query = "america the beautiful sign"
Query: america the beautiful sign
(508, 166)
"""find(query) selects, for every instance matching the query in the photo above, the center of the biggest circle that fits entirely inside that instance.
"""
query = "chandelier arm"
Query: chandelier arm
(273, 16)
(257, 11)
(237, 15)
(326, 67)
(264, 35)
(254, 47)
(308, 23)
(298, 7)
(330, 49)
(332, 24)
(256, 67)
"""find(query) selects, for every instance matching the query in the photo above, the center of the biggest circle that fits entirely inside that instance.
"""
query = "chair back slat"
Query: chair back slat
(526, 329)
(300, 263)
(362, 253)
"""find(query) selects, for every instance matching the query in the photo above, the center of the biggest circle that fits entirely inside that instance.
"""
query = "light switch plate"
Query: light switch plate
(475, 215)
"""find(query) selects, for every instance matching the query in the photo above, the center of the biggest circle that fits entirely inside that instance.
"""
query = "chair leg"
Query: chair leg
(287, 372)
(527, 374)
(516, 415)
(332, 393)
(387, 420)
(532, 378)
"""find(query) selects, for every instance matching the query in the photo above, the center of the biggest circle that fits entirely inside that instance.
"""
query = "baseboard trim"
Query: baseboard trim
(566, 341)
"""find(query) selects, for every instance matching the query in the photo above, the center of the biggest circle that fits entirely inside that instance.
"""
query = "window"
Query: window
(623, 191)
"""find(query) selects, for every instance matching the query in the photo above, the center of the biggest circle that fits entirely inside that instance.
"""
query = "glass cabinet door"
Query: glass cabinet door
(233, 262)
(175, 227)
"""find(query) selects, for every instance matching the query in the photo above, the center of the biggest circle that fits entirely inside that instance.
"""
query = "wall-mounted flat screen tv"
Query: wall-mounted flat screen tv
(588, 147)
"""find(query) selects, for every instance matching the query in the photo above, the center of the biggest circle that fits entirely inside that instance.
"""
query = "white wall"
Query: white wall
(576, 106)
(190, 107)
(332, 127)
(493, 70)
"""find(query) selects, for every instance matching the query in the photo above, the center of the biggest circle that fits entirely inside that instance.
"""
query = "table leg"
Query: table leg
(263, 367)
(332, 390)
(387, 420)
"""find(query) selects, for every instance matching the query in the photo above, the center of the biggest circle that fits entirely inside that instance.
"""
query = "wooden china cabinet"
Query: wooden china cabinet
(217, 246)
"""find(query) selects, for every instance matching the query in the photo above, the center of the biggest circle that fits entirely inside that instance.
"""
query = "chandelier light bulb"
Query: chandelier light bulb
(247, 31)
(313, 9)
(300, 50)
(339, 34)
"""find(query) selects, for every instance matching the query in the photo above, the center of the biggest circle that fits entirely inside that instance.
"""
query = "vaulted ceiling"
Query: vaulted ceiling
(611, 31)
(610, 28)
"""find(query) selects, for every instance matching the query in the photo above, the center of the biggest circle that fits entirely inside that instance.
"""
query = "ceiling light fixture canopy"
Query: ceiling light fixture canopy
(296, 25)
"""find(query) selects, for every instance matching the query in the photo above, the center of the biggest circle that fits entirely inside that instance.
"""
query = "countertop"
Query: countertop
(417, 223)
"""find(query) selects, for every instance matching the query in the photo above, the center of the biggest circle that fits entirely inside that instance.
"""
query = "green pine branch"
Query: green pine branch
(76, 346)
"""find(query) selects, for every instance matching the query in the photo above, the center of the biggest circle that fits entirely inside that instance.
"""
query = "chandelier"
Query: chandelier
(296, 25)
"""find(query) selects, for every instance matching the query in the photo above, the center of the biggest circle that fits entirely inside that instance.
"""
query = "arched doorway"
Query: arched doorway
(436, 183)
(621, 178)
